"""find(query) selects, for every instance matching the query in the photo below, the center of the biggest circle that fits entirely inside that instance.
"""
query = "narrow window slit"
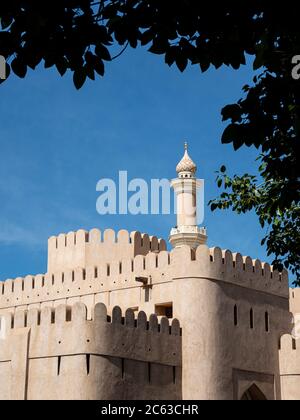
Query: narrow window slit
(251, 319)
(235, 315)
(58, 365)
(267, 322)
(88, 361)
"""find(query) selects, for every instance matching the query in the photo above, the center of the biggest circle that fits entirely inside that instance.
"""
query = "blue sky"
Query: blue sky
(56, 143)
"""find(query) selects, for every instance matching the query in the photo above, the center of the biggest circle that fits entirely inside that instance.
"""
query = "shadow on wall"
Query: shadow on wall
(253, 393)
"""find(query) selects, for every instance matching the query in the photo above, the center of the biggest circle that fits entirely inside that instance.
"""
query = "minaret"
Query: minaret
(187, 232)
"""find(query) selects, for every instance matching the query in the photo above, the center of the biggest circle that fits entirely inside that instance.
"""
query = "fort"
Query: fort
(117, 316)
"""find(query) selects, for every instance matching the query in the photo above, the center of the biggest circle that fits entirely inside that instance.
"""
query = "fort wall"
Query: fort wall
(233, 310)
(231, 331)
(295, 300)
(114, 279)
(59, 354)
(84, 249)
(290, 367)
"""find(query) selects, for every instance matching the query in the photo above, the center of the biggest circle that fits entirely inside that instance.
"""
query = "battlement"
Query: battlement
(77, 313)
(70, 323)
(82, 248)
(224, 265)
(160, 266)
(100, 358)
(295, 300)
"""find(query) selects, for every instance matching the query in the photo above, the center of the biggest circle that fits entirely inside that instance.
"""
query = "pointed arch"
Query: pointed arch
(253, 393)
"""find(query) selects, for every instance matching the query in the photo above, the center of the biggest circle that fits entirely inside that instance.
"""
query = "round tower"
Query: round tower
(187, 232)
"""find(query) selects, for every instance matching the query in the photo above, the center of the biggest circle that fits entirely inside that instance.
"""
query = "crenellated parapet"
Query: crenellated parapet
(157, 267)
(82, 248)
(95, 279)
(226, 266)
(131, 347)
(120, 335)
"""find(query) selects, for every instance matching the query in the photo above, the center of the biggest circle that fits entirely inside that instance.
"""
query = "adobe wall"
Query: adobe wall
(220, 359)
(229, 357)
(61, 355)
(290, 367)
(84, 249)
(295, 300)
(114, 282)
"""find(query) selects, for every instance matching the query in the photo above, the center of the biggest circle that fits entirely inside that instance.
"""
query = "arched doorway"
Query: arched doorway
(253, 393)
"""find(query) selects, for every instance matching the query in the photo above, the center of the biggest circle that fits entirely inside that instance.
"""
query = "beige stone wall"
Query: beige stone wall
(295, 300)
(114, 280)
(84, 249)
(289, 353)
(220, 359)
(229, 357)
(290, 367)
(62, 355)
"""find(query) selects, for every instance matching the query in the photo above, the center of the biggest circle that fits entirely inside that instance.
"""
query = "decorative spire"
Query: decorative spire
(186, 164)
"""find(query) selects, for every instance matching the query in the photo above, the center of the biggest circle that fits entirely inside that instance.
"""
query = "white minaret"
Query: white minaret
(187, 232)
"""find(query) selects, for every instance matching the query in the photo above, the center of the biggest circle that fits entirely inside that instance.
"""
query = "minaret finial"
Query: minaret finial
(186, 164)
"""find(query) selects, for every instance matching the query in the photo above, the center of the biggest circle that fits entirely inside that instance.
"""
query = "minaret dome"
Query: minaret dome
(186, 164)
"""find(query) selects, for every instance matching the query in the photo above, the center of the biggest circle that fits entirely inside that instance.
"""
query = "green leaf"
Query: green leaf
(19, 67)
(159, 46)
(90, 71)
(213, 206)
(237, 143)
(232, 112)
(223, 168)
(181, 63)
(171, 55)
(6, 21)
(99, 67)
(79, 77)
(62, 66)
(146, 37)
(102, 52)
(204, 63)
(259, 59)
(230, 133)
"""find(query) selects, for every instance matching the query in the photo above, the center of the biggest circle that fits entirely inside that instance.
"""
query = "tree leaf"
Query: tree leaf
(230, 133)
(99, 66)
(102, 52)
(79, 77)
(19, 67)
(232, 112)
(181, 62)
